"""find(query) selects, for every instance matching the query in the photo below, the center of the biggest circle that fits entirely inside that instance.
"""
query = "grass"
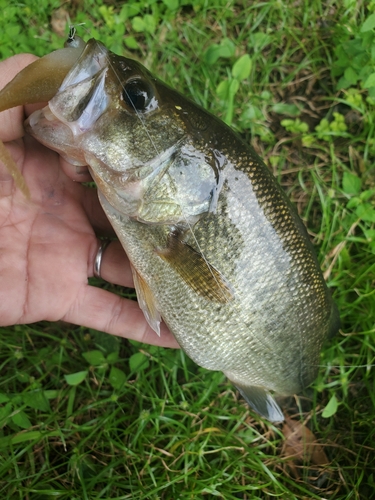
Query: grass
(88, 416)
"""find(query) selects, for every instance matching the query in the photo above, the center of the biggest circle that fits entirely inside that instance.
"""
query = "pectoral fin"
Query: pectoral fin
(194, 269)
(261, 401)
(146, 302)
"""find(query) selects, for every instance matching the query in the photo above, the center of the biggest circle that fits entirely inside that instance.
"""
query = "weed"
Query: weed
(87, 416)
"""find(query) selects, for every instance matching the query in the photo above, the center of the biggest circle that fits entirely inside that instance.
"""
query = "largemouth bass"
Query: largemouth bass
(217, 250)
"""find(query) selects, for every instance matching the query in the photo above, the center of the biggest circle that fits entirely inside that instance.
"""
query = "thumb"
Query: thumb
(11, 120)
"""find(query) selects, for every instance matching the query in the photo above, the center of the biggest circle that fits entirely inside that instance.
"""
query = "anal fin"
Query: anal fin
(261, 401)
(146, 302)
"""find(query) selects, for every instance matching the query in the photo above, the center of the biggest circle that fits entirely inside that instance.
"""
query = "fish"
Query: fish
(217, 250)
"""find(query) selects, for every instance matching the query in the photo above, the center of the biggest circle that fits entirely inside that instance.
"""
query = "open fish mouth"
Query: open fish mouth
(82, 99)
(76, 106)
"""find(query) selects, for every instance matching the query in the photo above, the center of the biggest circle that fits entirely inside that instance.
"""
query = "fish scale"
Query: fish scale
(208, 344)
(217, 250)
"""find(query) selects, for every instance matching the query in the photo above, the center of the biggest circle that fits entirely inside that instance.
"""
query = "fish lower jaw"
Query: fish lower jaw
(47, 129)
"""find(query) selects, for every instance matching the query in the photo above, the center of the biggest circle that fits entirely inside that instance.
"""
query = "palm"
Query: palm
(48, 244)
(48, 236)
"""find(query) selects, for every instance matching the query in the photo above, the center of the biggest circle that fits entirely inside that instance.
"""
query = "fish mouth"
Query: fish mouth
(80, 100)
(93, 58)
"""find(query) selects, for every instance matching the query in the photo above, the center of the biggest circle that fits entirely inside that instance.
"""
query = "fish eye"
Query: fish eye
(139, 95)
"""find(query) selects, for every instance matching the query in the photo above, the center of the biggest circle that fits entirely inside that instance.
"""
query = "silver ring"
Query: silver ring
(99, 257)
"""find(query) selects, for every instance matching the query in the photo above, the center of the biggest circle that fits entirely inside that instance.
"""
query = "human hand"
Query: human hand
(48, 243)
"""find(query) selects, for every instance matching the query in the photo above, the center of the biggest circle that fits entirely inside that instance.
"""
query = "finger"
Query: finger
(88, 198)
(115, 266)
(77, 173)
(11, 120)
(13, 65)
(102, 310)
